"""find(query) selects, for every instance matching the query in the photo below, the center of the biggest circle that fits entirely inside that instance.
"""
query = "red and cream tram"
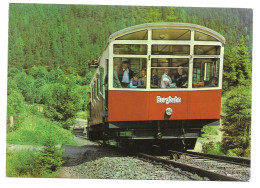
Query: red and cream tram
(157, 83)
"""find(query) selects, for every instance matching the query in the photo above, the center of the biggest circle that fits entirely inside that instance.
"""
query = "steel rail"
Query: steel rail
(222, 158)
(201, 172)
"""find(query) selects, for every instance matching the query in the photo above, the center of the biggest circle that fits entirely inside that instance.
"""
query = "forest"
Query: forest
(49, 47)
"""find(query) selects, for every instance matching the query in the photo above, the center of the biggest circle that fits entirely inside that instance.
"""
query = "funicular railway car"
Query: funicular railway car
(157, 83)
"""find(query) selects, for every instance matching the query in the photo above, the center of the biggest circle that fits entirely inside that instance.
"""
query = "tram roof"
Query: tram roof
(168, 25)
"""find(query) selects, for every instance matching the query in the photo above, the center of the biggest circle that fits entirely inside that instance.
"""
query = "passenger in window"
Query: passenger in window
(181, 78)
(213, 82)
(134, 81)
(154, 78)
(142, 79)
(125, 74)
(166, 79)
(116, 81)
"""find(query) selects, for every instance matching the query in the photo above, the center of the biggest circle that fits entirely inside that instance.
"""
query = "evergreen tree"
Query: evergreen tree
(237, 122)
(237, 67)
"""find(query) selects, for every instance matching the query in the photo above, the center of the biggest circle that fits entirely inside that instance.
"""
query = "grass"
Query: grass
(35, 152)
(34, 130)
(23, 163)
(33, 163)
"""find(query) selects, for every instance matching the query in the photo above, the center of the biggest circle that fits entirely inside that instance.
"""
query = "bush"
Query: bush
(23, 163)
(212, 148)
(209, 140)
(62, 102)
(34, 163)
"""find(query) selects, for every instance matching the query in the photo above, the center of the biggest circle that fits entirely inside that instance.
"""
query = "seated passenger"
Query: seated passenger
(142, 79)
(213, 82)
(116, 81)
(181, 78)
(166, 80)
(154, 78)
(134, 81)
(125, 74)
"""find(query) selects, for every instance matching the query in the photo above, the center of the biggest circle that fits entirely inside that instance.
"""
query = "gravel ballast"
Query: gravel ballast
(91, 161)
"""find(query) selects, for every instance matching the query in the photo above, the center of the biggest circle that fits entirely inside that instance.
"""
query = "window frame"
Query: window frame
(149, 56)
(218, 68)
(175, 67)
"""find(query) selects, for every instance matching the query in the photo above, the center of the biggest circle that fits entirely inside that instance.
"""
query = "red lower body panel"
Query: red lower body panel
(148, 106)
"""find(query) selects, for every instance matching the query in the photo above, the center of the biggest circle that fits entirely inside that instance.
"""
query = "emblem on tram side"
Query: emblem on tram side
(168, 100)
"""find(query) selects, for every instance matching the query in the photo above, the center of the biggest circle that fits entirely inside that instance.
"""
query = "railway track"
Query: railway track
(206, 166)
(215, 168)
(221, 158)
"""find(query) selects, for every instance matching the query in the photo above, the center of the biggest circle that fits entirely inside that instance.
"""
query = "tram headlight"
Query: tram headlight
(169, 111)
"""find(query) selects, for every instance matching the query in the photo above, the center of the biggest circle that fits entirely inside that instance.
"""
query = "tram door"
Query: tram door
(105, 110)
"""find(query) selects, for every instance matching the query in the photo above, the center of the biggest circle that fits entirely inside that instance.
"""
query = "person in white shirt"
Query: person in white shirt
(166, 79)
(125, 74)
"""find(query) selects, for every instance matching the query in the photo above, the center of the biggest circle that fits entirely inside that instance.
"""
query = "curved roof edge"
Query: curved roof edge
(168, 24)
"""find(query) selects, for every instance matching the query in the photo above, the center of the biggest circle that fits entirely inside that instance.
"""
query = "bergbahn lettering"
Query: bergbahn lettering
(168, 100)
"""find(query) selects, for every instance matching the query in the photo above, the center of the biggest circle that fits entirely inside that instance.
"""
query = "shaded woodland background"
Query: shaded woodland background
(48, 75)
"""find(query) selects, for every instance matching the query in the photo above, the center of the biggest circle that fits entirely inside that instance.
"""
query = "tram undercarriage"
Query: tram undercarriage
(178, 134)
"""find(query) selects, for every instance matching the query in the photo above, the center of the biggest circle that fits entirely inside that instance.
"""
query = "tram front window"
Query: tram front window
(129, 73)
(169, 73)
(205, 72)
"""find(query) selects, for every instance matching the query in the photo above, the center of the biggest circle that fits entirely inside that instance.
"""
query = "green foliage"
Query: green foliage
(54, 75)
(15, 103)
(62, 102)
(209, 140)
(212, 147)
(34, 162)
(26, 84)
(12, 72)
(73, 35)
(35, 130)
(238, 67)
(23, 163)
(51, 157)
(237, 121)
(209, 131)
(82, 91)
(83, 114)
(38, 72)
(15, 99)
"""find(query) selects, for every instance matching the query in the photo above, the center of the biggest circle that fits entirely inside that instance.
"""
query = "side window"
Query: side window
(95, 89)
(129, 72)
(92, 93)
(169, 73)
(98, 85)
(205, 72)
(101, 70)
